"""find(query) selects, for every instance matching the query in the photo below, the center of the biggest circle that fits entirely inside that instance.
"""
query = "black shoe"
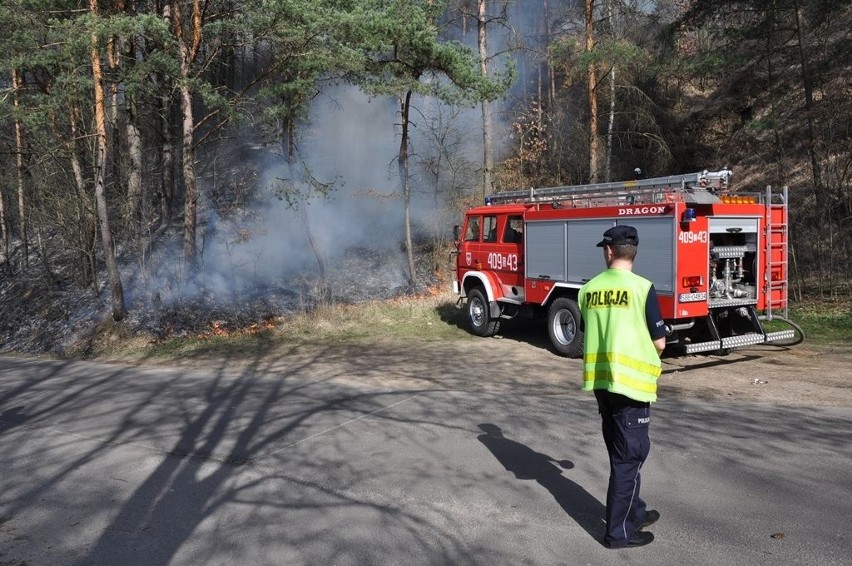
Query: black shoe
(640, 538)
(651, 517)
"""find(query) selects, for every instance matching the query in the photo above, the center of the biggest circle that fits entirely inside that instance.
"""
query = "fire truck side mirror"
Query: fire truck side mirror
(457, 235)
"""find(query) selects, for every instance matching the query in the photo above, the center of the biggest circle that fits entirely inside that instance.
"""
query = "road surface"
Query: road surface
(482, 453)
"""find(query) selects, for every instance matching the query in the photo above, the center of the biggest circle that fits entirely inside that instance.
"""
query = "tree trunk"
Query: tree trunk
(288, 142)
(406, 187)
(306, 223)
(190, 203)
(112, 49)
(112, 54)
(88, 218)
(167, 156)
(823, 208)
(23, 228)
(781, 169)
(552, 109)
(49, 278)
(610, 125)
(589, 7)
(4, 229)
(551, 76)
(187, 51)
(809, 102)
(134, 139)
(134, 167)
(611, 121)
(487, 127)
(118, 308)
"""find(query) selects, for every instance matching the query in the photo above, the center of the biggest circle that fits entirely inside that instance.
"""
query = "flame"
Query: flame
(218, 328)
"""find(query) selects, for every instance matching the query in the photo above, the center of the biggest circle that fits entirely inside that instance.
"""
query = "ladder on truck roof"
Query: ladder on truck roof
(693, 188)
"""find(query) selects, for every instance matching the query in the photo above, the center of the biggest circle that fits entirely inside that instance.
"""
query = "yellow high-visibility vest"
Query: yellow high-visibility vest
(619, 354)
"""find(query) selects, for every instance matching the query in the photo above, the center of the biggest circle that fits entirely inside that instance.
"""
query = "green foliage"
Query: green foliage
(705, 63)
(57, 55)
(308, 43)
(624, 55)
(824, 322)
(404, 53)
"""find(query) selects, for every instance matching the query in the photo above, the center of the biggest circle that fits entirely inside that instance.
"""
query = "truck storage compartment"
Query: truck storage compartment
(734, 266)
(565, 251)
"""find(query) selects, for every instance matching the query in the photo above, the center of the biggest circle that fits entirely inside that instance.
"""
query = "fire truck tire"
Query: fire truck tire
(479, 316)
(563, 325)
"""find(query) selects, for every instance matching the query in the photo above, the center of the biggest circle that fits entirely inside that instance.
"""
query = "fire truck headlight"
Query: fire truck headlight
(688, 215)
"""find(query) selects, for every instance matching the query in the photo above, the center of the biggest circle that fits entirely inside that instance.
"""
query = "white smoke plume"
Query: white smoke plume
(351, 142)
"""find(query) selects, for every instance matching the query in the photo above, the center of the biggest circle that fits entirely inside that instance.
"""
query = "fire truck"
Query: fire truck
(717, 258)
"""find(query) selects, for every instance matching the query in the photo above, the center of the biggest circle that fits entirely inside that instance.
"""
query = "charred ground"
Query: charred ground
(49, 313)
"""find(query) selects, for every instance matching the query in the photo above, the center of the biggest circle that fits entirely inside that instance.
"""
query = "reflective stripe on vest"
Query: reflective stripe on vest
(621, 374)
(621, 359)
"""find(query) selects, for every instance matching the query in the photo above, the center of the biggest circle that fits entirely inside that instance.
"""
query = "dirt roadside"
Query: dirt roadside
(796, 376)
(801, 375)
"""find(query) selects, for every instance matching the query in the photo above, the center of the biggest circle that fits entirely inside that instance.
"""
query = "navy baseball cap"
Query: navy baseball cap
(619, 235)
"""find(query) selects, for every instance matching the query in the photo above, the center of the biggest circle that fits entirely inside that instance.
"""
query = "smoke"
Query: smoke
(350, 144)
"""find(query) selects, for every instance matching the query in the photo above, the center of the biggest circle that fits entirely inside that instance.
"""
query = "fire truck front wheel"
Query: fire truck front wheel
(479, 315)
(563, 325)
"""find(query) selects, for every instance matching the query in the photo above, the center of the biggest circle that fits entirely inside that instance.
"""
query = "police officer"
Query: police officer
(624, 337)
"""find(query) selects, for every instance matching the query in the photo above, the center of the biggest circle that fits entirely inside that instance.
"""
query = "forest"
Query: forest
(263, 156)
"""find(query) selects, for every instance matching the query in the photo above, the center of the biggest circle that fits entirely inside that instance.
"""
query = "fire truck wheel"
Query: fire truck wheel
(479, 316)
(563, 325)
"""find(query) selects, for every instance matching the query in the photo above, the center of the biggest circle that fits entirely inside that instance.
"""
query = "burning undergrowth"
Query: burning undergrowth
(261, 258)
(54, 315)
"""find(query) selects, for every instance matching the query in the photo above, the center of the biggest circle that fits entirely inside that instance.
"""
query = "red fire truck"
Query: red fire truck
(717, 258)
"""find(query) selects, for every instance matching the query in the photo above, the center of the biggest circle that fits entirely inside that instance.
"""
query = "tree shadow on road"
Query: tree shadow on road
(12, 417)
(163, 464)
(527, 464)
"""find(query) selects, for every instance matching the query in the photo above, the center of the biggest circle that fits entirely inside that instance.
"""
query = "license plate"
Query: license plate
(691, 297)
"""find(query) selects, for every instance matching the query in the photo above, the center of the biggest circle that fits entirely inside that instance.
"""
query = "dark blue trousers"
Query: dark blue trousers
(625, 425)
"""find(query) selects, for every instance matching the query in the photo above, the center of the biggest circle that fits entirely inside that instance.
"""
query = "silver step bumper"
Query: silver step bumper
(739, 341)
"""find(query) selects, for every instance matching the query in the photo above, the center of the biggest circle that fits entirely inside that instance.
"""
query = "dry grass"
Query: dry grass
(426, 317)
(431, 317)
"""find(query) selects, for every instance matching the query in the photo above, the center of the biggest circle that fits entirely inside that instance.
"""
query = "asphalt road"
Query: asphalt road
(115, 465)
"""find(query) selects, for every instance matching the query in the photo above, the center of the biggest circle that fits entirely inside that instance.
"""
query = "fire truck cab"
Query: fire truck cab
(718, 259)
